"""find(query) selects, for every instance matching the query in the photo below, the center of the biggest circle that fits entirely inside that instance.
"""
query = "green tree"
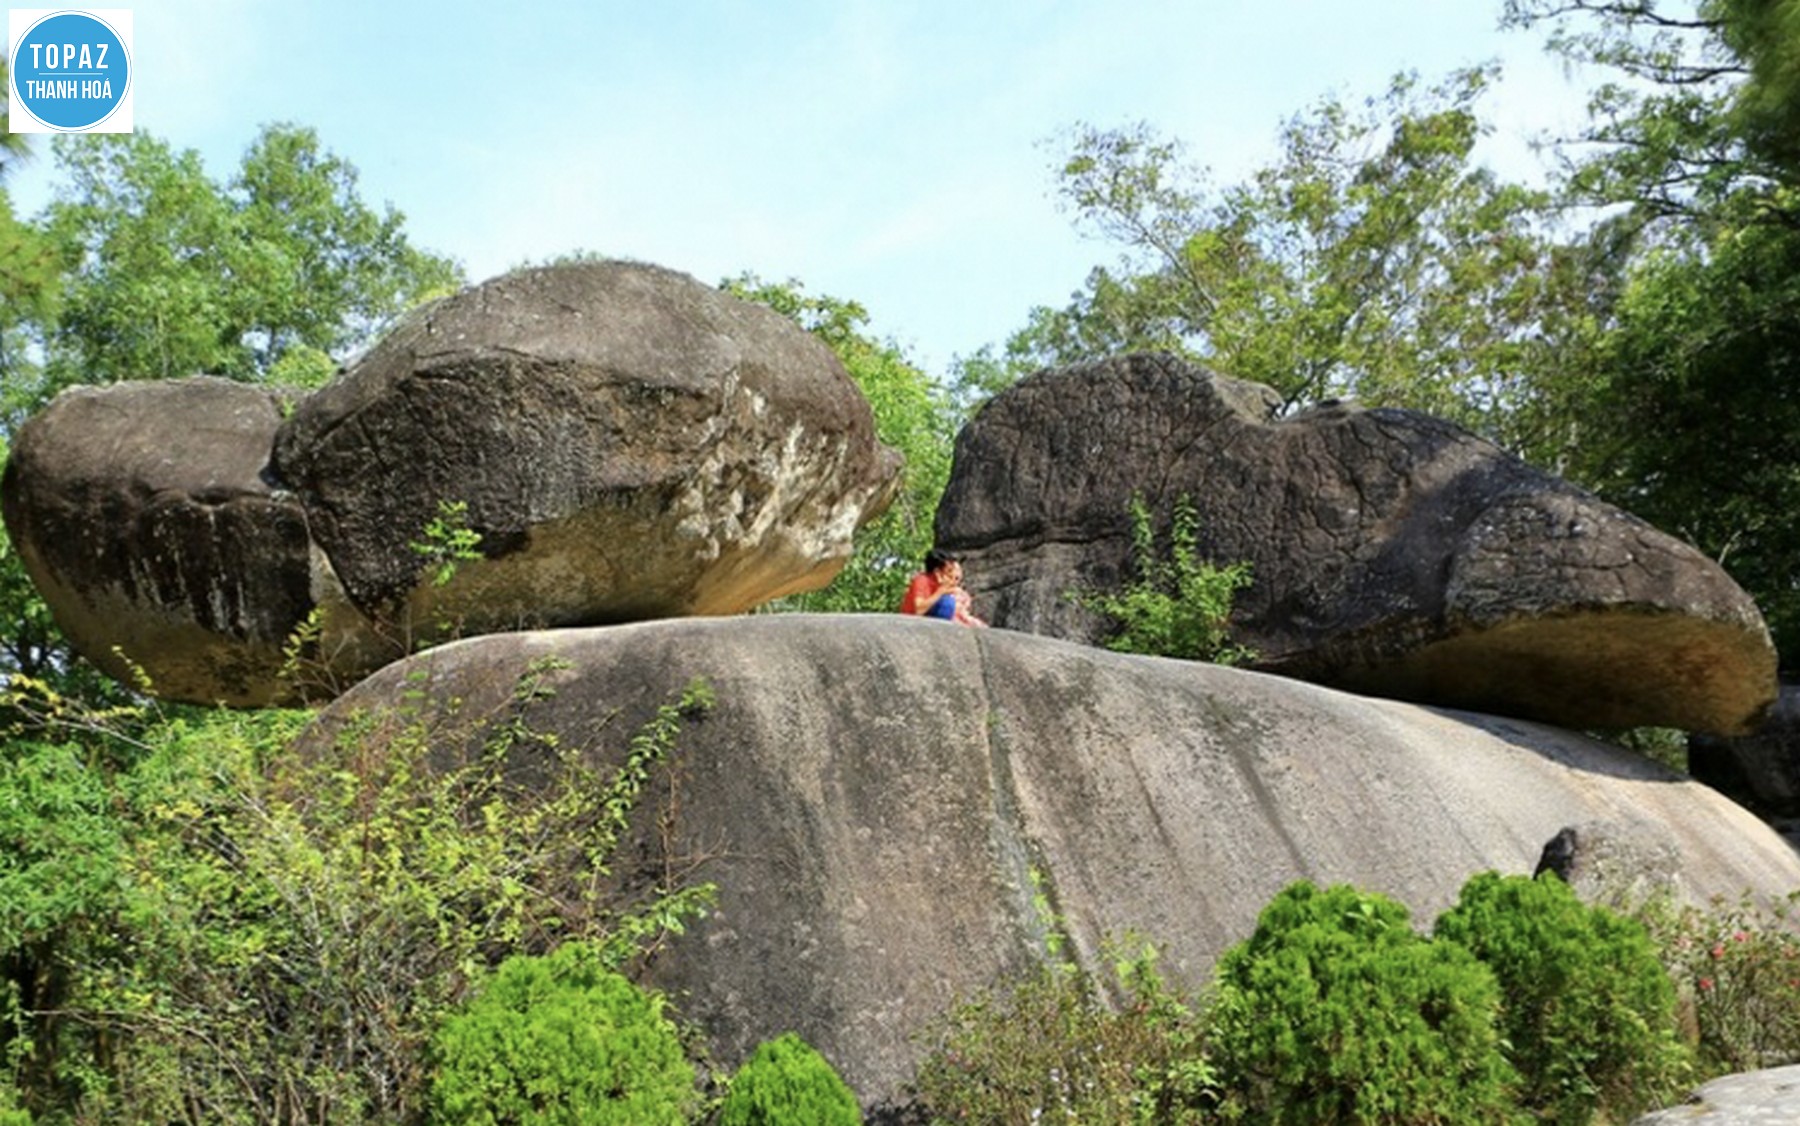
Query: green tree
(13, 146)
(1372, 258)
(1681, 403)
(172, 273)
(913, 414)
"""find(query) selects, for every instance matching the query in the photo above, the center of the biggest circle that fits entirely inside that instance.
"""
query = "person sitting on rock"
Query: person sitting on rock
(937, 592)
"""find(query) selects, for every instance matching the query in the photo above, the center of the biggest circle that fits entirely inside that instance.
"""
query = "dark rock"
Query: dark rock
(1761, 770)
(629, 442)
(871, 795)
(1393, 553)
(145, 516)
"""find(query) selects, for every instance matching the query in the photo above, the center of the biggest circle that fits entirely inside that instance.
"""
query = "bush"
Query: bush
(1737, 970)
(1176, 607)
(219, 930)
(1334, 1010)
(1049, 1047)
(788, 1083)
(561, 1039)
(1587, 1009)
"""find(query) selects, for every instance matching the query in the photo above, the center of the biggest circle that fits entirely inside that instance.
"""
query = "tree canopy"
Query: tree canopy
(169, 273)
(1373, 258)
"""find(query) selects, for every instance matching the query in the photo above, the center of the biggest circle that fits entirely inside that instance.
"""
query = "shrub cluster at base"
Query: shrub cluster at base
(1524, 1004)
(1334, 1010)
(786, 1083)
(561, 1039)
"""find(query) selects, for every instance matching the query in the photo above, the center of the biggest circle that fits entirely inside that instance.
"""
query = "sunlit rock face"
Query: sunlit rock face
(1393, 553)
(881, 801)
(626, 442)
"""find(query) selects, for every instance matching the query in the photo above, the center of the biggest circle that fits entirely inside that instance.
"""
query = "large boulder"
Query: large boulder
(873, 795)
(626, 442)
(1393, 553)
(145, 516)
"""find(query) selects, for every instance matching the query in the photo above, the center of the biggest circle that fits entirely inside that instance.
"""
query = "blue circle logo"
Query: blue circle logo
(70, 70)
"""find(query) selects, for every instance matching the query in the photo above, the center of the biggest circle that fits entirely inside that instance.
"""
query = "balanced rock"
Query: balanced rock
(878, 798)
(625, 443)
(1393, 553)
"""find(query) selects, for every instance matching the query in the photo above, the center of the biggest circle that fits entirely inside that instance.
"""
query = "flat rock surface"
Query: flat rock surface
(1754, 1098)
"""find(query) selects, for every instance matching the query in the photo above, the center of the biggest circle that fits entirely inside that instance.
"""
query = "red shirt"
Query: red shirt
(918, 593)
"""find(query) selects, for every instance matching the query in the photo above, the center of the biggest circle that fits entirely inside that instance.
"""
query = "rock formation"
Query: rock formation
(1393, 553)
(627, 442)
(1760, 770)
(875, 793)
(143, 514)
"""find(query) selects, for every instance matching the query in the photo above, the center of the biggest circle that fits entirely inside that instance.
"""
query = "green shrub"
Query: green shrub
(216, 929)
(561, 1039)
(1737, 971)
(1334, 1010)
(1587, 1008)
(1048, 1047)
(1179, 606)
(785, 1082)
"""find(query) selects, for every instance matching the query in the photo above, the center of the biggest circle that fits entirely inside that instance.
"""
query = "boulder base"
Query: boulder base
(872, 796)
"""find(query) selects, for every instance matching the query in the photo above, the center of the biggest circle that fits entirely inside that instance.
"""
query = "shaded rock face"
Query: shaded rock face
(872, 793)
(1393, 553)
(628, 442)
(145, 516)
(1761, 770)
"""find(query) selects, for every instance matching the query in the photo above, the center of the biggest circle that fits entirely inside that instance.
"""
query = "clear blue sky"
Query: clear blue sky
(889, 152)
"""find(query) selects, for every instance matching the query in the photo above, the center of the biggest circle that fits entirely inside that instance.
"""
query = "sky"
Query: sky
(899, 154)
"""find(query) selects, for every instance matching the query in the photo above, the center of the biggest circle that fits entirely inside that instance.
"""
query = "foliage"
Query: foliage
(448, 541)
(912, 414)
(1711, 340)
(1372, 258)
(1587, 1010)
(170, 273)
(786, 1082)
(251, 935)
(1687, 152)
(1050, 1047)
(1737, 968)
(1179, 605)
(561, 1038)
(1334, 1010)
(1662, 136)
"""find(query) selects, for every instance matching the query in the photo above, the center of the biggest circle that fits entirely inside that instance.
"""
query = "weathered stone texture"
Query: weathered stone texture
(628, 442)
(872, 794)
(145, 515)
(1393, 553)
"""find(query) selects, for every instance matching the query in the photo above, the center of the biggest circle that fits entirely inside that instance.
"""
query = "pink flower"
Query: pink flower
(1719, 950)
(1706, 983)
(1741, 936)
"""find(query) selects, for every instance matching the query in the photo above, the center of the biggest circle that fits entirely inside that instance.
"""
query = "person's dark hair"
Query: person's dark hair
(936, 560)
